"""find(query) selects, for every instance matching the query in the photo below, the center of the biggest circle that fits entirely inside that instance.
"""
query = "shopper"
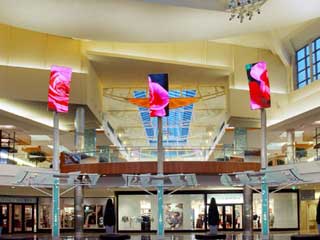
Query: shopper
(109, 218)
(213, 217)
(318, 215)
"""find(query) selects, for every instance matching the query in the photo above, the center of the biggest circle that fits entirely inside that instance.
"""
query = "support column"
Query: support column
(248, 215)
(79, 125)
(264, 185)
(160, 230)
(56, 187)
(291, 148)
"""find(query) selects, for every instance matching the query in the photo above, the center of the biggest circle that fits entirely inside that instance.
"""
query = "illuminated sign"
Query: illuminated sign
(59, 88)
(258, 85)
(158, 95)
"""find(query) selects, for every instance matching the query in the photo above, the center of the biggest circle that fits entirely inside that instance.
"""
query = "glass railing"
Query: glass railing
(26, 159)
(147, 154)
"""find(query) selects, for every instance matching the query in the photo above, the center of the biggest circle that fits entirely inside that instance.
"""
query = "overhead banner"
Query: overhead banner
(258, 85)
(158, 95)
(59, 89)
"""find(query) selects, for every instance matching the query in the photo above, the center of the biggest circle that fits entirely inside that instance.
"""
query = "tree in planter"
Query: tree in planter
(37, 156)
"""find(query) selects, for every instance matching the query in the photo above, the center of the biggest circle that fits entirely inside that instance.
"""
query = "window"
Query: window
(316, 59)
(304, 76)
(303, 66)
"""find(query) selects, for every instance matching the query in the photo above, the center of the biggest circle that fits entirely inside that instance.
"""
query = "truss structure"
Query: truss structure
(39, 179)
(279, 178)
(149, 180)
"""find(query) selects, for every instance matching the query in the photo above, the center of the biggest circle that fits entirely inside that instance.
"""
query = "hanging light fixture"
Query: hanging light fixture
(241, 9)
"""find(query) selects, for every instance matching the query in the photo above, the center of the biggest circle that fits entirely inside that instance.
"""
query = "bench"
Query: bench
(114, 236)
(305, 236)
(210, 236)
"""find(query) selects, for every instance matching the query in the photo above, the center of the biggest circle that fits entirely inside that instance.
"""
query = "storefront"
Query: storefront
(183, 211)
(19, 214)
(187, 211)
(93, 209)
(283, 210)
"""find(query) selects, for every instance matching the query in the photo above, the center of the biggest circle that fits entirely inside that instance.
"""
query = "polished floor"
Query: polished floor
(175, 236)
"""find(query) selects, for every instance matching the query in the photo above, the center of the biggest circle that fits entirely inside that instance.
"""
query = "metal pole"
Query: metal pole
(79, 125)
(160, 231)
(248, 216)
(264, 185)
(56, 186)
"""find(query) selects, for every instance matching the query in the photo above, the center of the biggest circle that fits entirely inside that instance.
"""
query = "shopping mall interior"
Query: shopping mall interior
(211, 142)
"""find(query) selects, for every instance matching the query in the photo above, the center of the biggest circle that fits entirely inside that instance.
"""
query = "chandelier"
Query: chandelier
(242, 9)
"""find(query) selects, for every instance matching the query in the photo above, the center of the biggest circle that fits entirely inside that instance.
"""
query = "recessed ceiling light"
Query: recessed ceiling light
(316, 122)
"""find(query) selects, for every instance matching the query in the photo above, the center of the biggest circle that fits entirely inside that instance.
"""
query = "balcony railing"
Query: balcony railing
(147, 154)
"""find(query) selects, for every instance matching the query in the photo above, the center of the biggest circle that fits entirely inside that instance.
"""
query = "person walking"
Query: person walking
(109, 218)
(318, 215)
(213, 217)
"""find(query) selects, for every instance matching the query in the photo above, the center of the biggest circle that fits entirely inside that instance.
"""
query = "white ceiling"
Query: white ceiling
(138, 20)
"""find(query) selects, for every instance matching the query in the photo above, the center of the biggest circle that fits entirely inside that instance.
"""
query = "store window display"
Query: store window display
(93, 213)
(283, 210)
(181, 212)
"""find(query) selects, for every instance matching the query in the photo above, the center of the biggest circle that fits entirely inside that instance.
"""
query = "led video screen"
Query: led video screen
(59, 88)
(158, 95)
(258, 85)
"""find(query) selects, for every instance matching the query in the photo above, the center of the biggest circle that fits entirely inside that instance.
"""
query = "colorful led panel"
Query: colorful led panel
(258, 85)
(59, 88)
(158, 95)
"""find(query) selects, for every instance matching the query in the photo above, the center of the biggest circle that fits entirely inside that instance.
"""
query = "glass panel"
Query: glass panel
(238, 216)
(283, 210)
(301, 65)
(17, 218)
(133, 207)
(300, 54)
(183, 211)
(28, 220)
(67, 217)
(220, 210)
(301, 76)
(318, 43)
(229, 217)
(317, 59)
(5, 223)
(45, 213)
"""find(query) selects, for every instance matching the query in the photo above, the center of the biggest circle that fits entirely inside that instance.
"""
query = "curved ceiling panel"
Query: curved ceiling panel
(138, 20)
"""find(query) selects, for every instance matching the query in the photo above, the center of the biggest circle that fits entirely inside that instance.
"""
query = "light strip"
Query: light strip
(17, 160)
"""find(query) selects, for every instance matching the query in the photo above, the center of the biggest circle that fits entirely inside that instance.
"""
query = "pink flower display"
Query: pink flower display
(59, 88)
(258, 85)
(158, 99)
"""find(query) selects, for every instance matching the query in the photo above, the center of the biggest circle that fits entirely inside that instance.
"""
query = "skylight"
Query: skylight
(175, 126)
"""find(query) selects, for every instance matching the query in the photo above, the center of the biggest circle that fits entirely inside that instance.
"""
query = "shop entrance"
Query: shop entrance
(4, 210)
(230, 216)
(22, 218)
